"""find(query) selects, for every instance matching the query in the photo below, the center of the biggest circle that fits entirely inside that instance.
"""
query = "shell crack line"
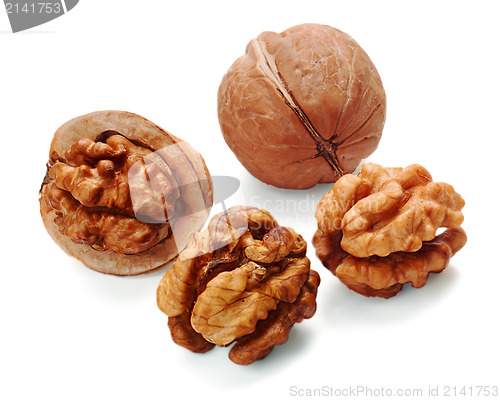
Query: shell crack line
(269, 68)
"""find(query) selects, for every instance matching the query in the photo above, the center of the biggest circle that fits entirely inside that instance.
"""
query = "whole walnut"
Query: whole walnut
(302, 107)
(245, 279)
(377, 230)
(121, 194)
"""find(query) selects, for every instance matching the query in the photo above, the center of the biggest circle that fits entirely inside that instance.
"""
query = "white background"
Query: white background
(67, 332)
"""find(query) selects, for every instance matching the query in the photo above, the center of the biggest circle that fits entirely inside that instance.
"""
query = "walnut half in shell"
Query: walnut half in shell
(121, 194)
(245, 280)
(377, 230)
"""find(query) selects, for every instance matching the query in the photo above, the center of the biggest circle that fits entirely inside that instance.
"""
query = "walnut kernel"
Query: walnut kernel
(377, 230)
(245, 280)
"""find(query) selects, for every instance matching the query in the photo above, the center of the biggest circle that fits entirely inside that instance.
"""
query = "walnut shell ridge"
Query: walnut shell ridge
(302, 107)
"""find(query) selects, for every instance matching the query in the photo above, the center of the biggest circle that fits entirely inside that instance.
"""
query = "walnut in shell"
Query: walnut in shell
(245, 280)
(121, 194)
(377, 230)
(302, 107)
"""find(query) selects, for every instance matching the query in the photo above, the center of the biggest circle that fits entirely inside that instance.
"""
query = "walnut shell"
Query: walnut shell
(302, 107)
(121, 194)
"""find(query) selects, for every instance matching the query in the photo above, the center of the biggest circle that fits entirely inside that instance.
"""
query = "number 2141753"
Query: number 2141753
(33, 8)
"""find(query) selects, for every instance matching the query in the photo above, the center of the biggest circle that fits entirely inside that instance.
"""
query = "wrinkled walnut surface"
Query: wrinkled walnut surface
(245, 279)
(100, 229)
(302, 107)
(385, 276)
(91, 193)
(383, 210)
(114, 184)
(377, 230)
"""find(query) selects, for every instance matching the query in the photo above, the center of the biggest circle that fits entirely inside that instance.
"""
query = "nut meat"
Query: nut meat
(377, 230)
(245, 279)
(115, 185)
(302, 107)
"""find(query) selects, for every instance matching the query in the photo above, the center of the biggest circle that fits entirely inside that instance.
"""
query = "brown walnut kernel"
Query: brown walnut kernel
(114, 184)
(91, 193)
(302, 107)
(245, 279)
(377, 230)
